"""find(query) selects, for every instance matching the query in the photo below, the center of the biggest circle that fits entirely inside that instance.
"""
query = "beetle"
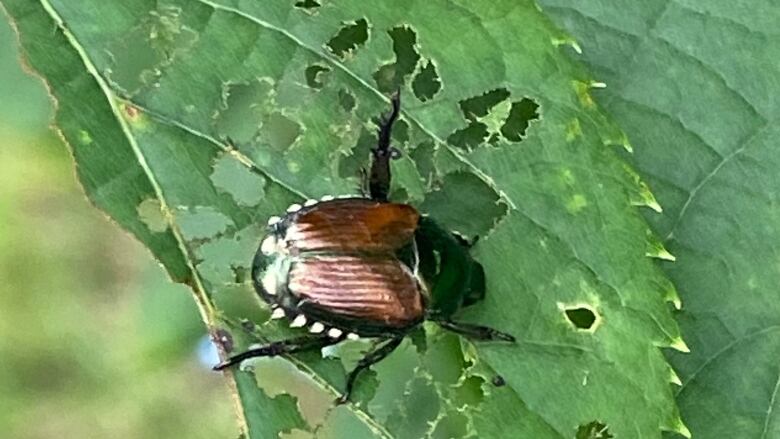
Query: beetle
(362, 266)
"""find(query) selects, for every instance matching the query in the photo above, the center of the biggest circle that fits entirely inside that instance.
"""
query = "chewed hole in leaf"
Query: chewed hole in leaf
(493, 117)
(422, 156)
(315, 74)
(465, 204)
(454, 424)
(593, 430)
(470, 137)
(348, 38)
(347, 100)
(390, 77)
(277, 376)
(201, 222)
(583, 317)
(351, 165)
(241, 112)
(426, 82)
(521, 114)
(151, 213)
(233, 177)
(479, 106)
(141, 53)
(280, 132)
(309, 6)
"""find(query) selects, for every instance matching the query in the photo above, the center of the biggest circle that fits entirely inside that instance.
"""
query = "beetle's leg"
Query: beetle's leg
(379, 177)
(298, 344)
(372, 357)
(475, 331)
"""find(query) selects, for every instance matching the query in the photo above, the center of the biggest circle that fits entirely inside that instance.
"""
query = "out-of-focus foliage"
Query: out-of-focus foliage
(95, 341)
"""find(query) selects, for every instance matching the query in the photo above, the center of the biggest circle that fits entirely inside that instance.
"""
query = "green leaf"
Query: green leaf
(695, 85)
(494, 117)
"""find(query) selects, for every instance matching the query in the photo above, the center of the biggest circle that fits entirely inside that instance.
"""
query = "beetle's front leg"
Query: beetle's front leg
(290, 346)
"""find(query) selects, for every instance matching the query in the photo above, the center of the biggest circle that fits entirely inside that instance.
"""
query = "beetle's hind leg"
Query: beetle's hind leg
(298, 344)
(371, 358)
(379, 177)
(476, 332)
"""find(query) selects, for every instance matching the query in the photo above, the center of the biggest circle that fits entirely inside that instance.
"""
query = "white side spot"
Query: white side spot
(277, 314)
(269, 282)
(310, 203)
(273, 220)
(316, 328)
(353, 336)
(294, 208)
(327, 198)
(268, 245)
(334, 332)
(299, 321)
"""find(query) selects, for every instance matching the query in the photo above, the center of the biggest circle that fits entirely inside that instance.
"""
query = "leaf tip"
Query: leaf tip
(674, 378)
(672, 296)
(680, 427)
(679, 345)
(568, 41)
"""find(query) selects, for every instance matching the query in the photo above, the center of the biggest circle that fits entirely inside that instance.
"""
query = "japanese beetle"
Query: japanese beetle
(351, 267)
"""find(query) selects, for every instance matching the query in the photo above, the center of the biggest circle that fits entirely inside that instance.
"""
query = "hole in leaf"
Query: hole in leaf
(581, 317)
(349, 38)
(151, 213)
(426, 82)
(465, 204)
(479, 106)
(593, 430)
(390, 77)
(280, 132)
(453, 425)
(241, 112)
(142, 52)
(232, 177)
(241, 275)
(521, 114)
(422, 156)
(350, 166)
(309, 6)
(470, 137)
(314, 75)
(346, 100)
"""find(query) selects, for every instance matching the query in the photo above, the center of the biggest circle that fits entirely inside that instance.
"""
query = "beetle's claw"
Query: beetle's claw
(221, 366)
(504, 336)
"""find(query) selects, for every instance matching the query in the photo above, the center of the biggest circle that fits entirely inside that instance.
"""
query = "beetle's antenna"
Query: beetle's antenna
(379, 179)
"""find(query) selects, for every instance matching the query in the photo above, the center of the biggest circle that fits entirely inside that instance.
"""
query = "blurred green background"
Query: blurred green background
(95, 342)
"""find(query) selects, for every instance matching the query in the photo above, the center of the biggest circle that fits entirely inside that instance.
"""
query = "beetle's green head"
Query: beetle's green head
(453, 278)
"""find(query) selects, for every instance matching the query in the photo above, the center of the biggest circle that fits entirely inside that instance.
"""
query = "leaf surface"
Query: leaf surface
(149, 92)
(696, 85)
